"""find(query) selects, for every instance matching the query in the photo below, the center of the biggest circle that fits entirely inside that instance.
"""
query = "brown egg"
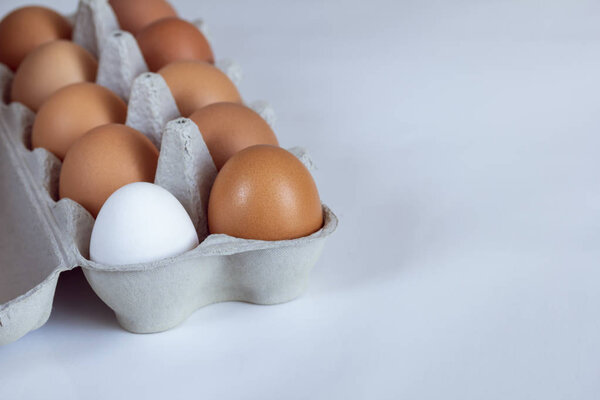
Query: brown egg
(264, 192)
(50, 67)
(72, 111)
(135, 15)
(26, 28)
(230, 127)
(196, 84)
(170, 40)
(103, 160)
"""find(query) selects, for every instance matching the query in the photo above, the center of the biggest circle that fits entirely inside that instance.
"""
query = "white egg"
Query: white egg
(141, 222)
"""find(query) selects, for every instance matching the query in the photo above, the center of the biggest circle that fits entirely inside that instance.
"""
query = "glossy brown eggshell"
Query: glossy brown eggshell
(135, 15)
(230, 127)
(71, 112)
(196, 84)
(51, 67)
(265, 193)
(26, 28)
(173, 39)
(103, 160)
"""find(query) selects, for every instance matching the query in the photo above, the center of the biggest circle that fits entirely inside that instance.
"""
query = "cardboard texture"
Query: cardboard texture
(40, 236)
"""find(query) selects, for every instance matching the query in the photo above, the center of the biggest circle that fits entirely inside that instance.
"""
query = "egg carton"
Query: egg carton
(42, 236)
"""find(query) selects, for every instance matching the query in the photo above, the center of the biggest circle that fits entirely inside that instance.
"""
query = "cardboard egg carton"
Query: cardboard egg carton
(41, 236)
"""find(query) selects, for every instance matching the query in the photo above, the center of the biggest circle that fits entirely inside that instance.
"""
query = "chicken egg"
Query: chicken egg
(71, 112)
(135, 15)
(103, 160)
(230, 127)
(196, 84)
(49, 68)
(264, 192)
(26, 28)
(141, 222)
(173, 39)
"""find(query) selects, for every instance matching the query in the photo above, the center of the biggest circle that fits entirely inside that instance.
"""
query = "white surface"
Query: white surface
(141, 222)
(458, 143)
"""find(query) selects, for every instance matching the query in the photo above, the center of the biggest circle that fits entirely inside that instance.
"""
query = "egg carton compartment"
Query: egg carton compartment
(42, 236)
(96, 29)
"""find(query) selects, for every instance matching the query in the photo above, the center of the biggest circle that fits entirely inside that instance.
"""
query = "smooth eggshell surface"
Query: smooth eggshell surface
(103, 160)
(230, 127)
(264, 192)
(196, 84)
(173, 39)
(135, 15)
(26, 28)
(49, 68)
(72, 111)
(141, 222)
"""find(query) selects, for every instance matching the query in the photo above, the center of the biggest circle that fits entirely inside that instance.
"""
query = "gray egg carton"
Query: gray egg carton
(41, 236)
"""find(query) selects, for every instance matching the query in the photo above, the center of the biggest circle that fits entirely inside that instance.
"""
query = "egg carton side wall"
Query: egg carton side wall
(31, 253)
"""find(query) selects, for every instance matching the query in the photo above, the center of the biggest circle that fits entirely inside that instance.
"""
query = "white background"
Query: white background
(458, 142)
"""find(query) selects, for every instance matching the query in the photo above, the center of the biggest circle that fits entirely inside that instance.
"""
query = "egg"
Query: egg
(173, 39)
(103, 160)
(264, 192)
(49, 68)
(230, 127)
(141, 222)
(71, 112)
(135, 15)
(196, 84)
(26, 28)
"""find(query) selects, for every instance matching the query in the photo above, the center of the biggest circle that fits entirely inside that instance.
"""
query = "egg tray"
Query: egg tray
(41, 236)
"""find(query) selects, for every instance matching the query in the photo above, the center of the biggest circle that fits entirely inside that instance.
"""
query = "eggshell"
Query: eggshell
(173, 39)
(49, 68)
(196, 84)
(103, 160)
(26, 28)
(135, 15)
(230, 127)
(72, 111)
(141, 222)
(264, 192)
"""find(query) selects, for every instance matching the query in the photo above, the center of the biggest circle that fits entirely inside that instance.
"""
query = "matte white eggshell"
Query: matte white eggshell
(141, 222)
